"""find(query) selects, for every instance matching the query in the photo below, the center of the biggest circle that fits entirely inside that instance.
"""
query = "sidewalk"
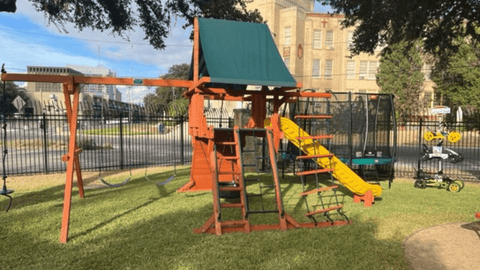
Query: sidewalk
(445, 246)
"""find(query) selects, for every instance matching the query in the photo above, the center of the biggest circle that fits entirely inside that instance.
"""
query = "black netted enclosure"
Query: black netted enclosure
(363, 128)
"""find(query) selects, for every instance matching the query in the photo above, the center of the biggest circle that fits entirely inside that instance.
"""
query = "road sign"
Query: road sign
(137, 81)
(441, 109)
(19, 103)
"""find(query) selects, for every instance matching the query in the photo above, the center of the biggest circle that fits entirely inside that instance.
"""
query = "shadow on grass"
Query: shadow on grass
(167, 242)
(162, 238)
(105, 222)
(57, 192)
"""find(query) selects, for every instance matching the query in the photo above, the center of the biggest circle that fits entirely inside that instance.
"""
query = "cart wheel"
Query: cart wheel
(428, 136)
(460, 183)
(420, 184)
(444, 185)
(454, 187)
(455, 158)
(454, 137)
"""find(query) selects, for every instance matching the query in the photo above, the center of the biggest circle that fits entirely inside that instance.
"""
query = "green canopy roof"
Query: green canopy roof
(240, 53)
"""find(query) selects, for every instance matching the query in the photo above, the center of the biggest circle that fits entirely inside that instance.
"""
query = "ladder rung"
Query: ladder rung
(229, 158)
(261, 211)
(225, 143)
(314, 172)
(317, 137)
(230, 188)
(317, 116)
(324, 210)
(318, 190)
(233, 222)
(316, 156)
(231, 205)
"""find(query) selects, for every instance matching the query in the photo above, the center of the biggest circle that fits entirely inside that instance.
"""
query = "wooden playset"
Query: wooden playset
(227, 57)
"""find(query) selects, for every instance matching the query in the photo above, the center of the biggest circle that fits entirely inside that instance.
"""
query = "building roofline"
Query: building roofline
(324, 15)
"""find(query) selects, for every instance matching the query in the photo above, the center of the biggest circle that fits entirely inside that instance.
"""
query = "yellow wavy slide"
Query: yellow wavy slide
(341, 172)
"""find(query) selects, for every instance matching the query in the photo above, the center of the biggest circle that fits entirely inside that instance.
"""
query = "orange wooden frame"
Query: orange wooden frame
(201, 133)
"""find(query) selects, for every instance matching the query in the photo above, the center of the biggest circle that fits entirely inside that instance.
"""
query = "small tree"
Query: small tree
(170, 97)
(401, 74)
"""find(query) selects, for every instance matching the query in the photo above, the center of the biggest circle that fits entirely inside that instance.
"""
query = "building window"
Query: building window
(287, 62)
(316, 68)
(368, 70)
(350, 40)
(317, 39)
(288, 36)
(372, 70)
(363, 69)
(329, 40)
(328, 69)
(351, 69)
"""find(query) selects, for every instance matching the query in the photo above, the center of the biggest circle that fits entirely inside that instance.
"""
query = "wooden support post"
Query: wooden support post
(367, 198)
(259, 111)
(278, 193)
(73, 163)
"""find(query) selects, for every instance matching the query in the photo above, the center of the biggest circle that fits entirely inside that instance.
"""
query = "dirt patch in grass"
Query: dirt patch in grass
(445, 246)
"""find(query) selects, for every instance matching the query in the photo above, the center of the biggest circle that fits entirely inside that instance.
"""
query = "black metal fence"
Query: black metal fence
(410, 148)
(37, 143)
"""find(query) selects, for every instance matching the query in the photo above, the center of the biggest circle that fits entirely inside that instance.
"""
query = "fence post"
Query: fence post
(350, 130)
(45, 146)
(182, 156)
(420, 141)
(121, 142)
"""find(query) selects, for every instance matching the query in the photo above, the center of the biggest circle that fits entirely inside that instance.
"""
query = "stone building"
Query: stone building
(315, 48)
(109, 92)
(50, 97)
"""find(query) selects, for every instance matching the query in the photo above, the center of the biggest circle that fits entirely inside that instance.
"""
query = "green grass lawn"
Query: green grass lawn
(144, 226)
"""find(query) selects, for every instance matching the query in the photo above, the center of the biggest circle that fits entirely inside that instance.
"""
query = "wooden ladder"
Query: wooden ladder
(237, 185)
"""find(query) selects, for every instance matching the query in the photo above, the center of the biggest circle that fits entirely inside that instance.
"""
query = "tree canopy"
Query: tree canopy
(153, 16)
(400, 73)
(459, 80)
(170, 97)
(387, 22)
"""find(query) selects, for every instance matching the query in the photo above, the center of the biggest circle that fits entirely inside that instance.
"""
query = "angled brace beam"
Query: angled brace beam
(73, 163)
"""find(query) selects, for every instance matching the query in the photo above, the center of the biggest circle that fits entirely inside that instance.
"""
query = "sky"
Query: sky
(26, 39)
